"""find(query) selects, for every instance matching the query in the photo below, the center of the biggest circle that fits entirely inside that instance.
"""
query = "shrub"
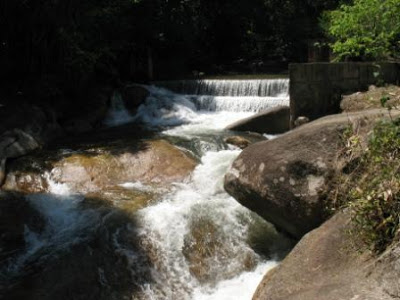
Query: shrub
(372, 189)
(364, 30)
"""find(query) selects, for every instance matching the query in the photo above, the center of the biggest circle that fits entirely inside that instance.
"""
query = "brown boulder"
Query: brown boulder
(329, 264)
(275, 120)
(237, 141)
(286, 180)
(154, 162)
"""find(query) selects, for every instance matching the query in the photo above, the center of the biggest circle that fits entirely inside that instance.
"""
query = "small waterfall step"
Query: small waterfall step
(227, 87)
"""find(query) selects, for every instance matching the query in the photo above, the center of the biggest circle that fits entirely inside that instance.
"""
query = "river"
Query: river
(192, 240)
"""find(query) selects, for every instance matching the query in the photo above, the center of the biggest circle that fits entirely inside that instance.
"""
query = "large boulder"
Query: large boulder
(286, 180)
(272, 121)
(24, 128)
(16, 143)
(133, 96)
(329, 263)
(151, 162)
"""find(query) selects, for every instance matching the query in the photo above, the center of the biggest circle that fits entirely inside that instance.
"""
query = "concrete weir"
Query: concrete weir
(316, 88)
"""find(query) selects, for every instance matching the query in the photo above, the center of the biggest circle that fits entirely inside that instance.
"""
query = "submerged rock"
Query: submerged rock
(329, 263)
(272, 121)
(286, 180)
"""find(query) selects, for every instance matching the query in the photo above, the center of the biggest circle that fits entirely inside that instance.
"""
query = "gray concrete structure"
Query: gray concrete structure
(316, 89)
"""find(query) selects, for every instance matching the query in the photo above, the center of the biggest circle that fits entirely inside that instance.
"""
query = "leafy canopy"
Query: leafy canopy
(365, 30)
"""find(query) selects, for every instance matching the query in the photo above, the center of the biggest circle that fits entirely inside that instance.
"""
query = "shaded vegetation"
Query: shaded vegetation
(51, 48)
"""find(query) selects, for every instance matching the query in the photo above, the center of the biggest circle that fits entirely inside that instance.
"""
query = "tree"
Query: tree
(365, 30)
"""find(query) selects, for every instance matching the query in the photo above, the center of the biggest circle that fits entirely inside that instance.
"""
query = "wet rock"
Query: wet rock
(272, 121)
(329, 264)
(286, 180)
(151, 162)
(237, 141)
(133, 96)
(25, 181)
(205, 247)
(16, 142)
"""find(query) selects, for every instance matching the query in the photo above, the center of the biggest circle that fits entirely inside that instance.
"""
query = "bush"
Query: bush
(364, 30)
(372, 190)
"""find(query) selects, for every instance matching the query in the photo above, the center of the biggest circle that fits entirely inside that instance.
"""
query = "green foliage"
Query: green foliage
(365, 30)
(372, 190)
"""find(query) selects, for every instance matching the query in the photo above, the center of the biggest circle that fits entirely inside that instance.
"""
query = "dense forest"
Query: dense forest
(66, 45)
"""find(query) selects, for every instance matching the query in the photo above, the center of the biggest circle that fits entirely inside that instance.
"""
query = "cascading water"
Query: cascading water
(202, 234)
(201, 114)
(199, 242)
(233, 88)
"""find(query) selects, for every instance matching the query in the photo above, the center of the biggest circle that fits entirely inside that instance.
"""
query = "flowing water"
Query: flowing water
(193, 241)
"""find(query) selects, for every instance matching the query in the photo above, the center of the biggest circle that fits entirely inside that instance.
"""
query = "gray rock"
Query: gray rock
(286, 180)
(272, 121)
(16, 143)
(329, 264)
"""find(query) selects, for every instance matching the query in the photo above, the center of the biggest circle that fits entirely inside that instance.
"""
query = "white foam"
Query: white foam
(65, 223)
(167, 227)
(165, 108)
(136, 186)
(241, 287)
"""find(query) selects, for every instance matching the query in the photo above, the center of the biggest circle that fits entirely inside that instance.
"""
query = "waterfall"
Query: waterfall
(237, 104)
(166, 108)
(234, 88)
(191, 100)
